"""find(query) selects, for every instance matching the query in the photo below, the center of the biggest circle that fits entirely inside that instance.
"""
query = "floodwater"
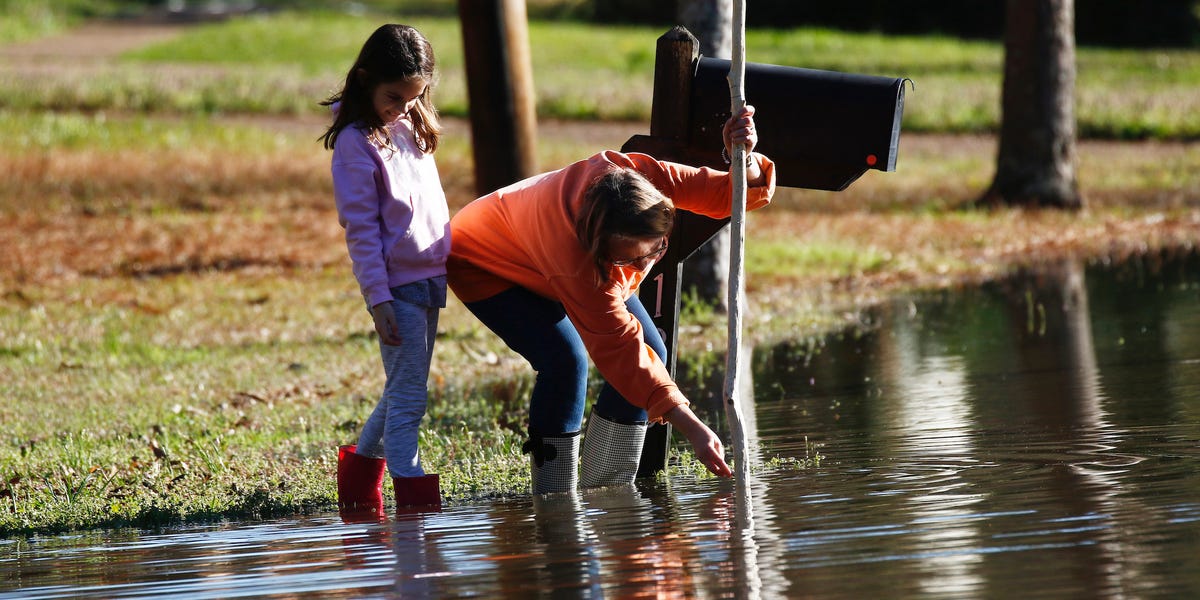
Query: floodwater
(1038, 438)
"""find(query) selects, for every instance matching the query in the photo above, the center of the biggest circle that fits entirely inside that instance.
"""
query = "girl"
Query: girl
(392, 206)
(551, 265)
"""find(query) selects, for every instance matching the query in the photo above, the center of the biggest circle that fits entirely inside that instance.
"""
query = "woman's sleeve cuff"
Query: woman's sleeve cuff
(664, 400)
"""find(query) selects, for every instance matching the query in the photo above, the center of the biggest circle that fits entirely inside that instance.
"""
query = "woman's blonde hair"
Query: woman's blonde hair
(392, 53)
(621, 203)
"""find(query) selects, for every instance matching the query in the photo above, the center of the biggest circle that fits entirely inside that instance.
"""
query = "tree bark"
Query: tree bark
(499, 91)
(706, 273)
(1036, 160)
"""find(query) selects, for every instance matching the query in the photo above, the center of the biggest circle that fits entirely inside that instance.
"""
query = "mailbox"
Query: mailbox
(823, 130)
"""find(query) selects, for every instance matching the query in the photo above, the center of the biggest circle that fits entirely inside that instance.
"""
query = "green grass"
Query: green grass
(221, 396)
(72, 130)
(214, 391)
(27, 19)
(286, 62)
(584, 71)
(832, 259)
(161, 407)
(314, 43)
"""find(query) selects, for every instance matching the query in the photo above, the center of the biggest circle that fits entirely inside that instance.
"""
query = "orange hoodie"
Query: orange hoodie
(524, 235)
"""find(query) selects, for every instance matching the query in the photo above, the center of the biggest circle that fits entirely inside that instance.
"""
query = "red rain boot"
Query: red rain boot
(360, 483)
(417, 494)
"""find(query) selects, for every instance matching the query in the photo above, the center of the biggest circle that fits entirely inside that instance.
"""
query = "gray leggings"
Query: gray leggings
(391, 430)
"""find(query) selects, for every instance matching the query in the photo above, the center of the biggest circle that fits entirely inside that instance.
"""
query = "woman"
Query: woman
(551, 264)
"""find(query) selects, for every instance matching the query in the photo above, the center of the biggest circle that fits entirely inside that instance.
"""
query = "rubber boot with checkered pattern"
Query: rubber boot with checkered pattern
(553, 462)
(611, 452)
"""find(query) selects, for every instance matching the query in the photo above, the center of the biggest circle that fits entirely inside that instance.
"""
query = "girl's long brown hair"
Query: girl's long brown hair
(392, 53)
(621, 203)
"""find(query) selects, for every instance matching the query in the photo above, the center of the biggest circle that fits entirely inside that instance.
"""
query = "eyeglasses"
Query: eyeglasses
(655, 255)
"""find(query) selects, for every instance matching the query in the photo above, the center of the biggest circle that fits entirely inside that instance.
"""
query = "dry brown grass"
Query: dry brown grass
(130, 213)
(68, 213)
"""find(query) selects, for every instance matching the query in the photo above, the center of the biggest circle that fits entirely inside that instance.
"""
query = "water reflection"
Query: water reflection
(999, 404)
(931, 420)
(1039, 437)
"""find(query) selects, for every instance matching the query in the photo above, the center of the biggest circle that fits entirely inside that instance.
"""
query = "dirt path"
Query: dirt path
(98, 41)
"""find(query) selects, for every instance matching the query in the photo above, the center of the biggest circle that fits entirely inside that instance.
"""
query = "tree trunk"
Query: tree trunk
(706, 273)
(1035, 165)
(499, 91)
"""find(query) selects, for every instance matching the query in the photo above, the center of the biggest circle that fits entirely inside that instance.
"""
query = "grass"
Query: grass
(27, 19)
(190, 346)
(221, 382)
(270, 64)
(180, 335)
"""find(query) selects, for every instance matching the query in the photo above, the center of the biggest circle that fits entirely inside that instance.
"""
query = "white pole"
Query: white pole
(733, 363)
(737, 169)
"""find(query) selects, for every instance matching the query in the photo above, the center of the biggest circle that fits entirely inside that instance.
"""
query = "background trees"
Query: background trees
(1161, 23)
(1035, 164)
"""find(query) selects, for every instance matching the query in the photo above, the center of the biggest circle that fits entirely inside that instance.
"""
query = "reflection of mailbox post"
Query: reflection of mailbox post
(823, 130)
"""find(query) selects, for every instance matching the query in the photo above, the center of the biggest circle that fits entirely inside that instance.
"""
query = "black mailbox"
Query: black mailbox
(823, 129)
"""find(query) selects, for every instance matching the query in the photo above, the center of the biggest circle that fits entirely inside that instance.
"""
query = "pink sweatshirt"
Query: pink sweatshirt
(393, 208)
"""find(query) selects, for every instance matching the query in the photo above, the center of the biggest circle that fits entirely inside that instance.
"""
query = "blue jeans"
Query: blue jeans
(393, 427)
(538, 329)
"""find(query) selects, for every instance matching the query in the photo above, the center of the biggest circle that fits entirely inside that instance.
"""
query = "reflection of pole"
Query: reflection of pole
(1078, 316)
(737, 169)
(500, 91)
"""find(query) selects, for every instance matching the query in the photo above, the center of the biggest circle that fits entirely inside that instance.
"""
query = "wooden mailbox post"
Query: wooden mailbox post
(823, 129)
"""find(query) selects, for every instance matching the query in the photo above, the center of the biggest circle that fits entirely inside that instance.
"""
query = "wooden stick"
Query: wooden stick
(737, 223)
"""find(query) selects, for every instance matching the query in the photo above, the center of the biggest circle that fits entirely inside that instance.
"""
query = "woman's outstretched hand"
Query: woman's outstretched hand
(707, 446)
